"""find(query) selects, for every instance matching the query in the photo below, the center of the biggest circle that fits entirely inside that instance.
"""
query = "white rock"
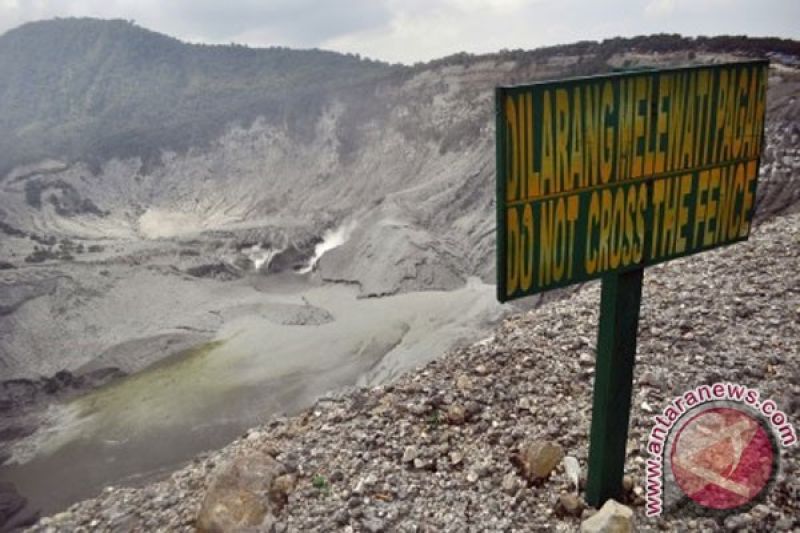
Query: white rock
(573, 470)
(613, 517)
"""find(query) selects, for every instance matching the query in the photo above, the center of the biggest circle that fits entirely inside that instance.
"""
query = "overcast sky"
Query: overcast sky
(418, 30)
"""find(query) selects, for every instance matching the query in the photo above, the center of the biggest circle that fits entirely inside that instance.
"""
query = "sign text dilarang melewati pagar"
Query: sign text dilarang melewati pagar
(610, 173)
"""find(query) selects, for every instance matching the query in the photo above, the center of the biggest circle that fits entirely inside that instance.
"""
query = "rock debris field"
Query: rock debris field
(475, 441)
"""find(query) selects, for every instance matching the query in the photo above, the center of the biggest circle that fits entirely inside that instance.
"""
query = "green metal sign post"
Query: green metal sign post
(600, 177)
(616, 351)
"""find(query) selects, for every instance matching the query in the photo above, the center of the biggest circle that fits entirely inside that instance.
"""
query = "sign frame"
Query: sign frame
(502, 143)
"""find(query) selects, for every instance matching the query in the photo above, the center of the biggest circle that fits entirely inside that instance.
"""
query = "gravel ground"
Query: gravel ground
(435, 450)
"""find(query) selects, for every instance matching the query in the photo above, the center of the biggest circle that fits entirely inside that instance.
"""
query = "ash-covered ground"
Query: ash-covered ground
(157, 353)
(154, 306)
(438, 449)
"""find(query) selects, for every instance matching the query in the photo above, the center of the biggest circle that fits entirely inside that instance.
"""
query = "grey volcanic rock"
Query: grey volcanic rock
(406, 153)
(283, 314)
(394, 257)
(65, 316)
(16, 292)
(220, 271)
(16, 394)
(354, 455)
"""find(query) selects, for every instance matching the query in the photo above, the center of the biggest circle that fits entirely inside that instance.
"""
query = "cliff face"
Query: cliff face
(114, 131)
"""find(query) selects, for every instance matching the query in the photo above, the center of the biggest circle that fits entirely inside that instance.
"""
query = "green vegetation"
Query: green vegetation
(657, 43)
(91, 90)
(321, 483)
(435, 420)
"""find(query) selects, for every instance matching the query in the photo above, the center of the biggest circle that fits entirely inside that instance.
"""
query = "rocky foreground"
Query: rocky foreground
(474, 441)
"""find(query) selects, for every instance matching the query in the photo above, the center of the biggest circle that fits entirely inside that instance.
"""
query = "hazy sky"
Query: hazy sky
(419, 30)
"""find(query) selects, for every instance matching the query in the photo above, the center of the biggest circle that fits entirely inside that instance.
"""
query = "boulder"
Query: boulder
(243, 494)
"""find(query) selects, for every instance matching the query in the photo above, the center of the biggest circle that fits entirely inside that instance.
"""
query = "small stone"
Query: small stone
(281, 488)
(569, 505)
(463, 383)
(525, 404)
(456, 458)
(481, 370)
(123, 522)
(456, 414)
(760, 510)
(613, 517)
(738, 522)
(365, 483)
(373, 525)
(353, 502)
(649, 379)
(510, 484)
(341, 517)
(410, 454)
(422, 464)
(539, 458)
(269, 448)
(418, 409)
(627, 483)
(471, 410)
(573, 471)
